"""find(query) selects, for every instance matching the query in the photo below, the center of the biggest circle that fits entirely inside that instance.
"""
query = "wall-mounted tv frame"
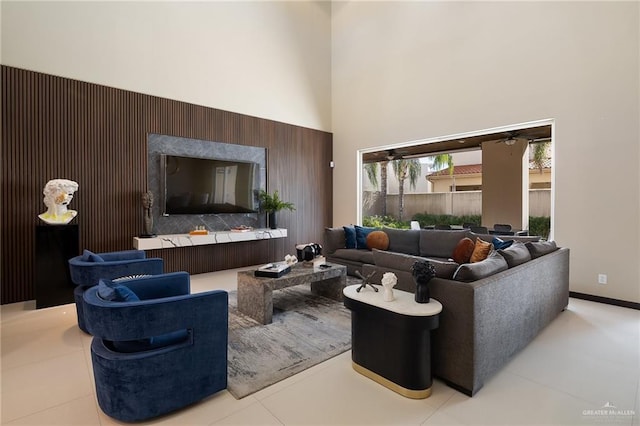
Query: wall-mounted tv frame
(195, 185)
(158, 144)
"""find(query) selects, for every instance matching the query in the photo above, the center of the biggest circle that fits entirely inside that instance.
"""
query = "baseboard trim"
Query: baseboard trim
(608, 301)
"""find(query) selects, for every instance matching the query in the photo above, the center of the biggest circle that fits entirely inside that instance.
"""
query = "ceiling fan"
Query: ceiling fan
(513, 137)
(392, 154)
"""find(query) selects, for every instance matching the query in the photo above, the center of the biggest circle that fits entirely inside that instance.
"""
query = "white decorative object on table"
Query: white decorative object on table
(389, 280)
(290, 260)
(58, 193)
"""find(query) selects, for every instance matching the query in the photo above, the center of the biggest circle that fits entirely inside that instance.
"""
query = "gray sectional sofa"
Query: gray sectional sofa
(491, 309)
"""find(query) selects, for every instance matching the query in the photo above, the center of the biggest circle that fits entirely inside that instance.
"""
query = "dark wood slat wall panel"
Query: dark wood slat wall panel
(54, 127)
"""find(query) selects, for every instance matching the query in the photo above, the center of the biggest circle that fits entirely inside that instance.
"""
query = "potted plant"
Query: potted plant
(271, 203)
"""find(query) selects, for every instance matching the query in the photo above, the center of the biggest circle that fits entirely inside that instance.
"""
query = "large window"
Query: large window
(402, 183)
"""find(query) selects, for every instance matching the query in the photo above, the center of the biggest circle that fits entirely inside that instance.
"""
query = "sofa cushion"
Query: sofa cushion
(404, 262)
(440, 243)
(540, 248)
(361, 236)
(349, 237)
(493, 264)
(393, 260)
(377, 240)
(481, 250)
(463, 251)
(499, 243)
(359, 256)
(516, 255)
(89, 256)
(405, 241)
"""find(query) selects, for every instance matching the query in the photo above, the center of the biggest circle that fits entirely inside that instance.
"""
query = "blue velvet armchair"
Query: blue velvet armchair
(87, 269)
(157, 354)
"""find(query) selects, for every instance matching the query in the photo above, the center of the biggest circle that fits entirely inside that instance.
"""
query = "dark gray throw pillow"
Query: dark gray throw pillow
(444, 269)
(537, 249)
(516, 254)
(493, 264)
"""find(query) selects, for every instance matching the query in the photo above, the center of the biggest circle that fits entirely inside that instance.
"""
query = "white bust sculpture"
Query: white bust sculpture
(389, 280)
(58, 193)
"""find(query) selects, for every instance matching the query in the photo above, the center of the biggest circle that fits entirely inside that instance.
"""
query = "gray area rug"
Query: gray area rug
(306, 330)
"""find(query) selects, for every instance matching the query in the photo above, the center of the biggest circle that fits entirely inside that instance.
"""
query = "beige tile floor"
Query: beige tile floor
(587, 358)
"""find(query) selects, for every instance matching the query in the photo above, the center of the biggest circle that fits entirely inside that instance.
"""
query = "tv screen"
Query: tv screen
(208, 186)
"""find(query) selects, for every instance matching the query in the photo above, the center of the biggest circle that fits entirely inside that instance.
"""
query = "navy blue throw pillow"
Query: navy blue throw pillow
(499, 244)
(361, 236)
(89, 256)
(350, 236)
(116, 293)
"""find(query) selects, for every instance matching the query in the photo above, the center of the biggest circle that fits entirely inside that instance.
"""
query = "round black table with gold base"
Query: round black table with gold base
(391, 341)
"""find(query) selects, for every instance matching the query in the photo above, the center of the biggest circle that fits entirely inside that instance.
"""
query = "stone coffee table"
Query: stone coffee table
(255, 293)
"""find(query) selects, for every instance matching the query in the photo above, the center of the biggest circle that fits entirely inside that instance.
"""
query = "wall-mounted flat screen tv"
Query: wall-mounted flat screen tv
(208, 186)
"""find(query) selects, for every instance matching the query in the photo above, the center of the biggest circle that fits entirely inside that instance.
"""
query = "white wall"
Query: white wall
(264, 59)
(405, 71)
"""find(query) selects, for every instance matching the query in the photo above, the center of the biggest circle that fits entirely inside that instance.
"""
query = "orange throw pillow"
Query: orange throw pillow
(378, 240)
(481, 250)
(462, 252)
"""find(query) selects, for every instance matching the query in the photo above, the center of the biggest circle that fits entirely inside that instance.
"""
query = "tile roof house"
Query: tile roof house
(468, 177)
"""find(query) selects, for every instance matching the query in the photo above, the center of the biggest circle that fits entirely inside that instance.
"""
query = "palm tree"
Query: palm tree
(404, 169)
(540, 154)
(442, 160)
(372, 174)
(439, 162)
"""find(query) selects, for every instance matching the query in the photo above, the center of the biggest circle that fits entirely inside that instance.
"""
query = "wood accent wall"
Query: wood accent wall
(54, 127)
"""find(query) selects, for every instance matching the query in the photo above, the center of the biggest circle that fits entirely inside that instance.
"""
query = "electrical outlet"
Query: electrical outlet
(602, 278)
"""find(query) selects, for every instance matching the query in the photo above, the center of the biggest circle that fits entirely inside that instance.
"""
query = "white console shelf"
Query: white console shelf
(219, 237)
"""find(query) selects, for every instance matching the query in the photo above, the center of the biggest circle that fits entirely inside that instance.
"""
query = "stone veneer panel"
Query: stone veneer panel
(180, 224)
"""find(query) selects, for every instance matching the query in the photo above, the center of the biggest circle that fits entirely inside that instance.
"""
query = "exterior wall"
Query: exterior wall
(540, 202)
(419, 70)
(464, 203)
(535, 177)
(443, 183)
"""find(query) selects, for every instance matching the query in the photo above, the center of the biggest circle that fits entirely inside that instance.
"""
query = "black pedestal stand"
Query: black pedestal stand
(55, 245)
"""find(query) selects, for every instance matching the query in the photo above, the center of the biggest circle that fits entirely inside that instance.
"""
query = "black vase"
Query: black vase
(273, 224)
(422, 291)
(422, 271)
